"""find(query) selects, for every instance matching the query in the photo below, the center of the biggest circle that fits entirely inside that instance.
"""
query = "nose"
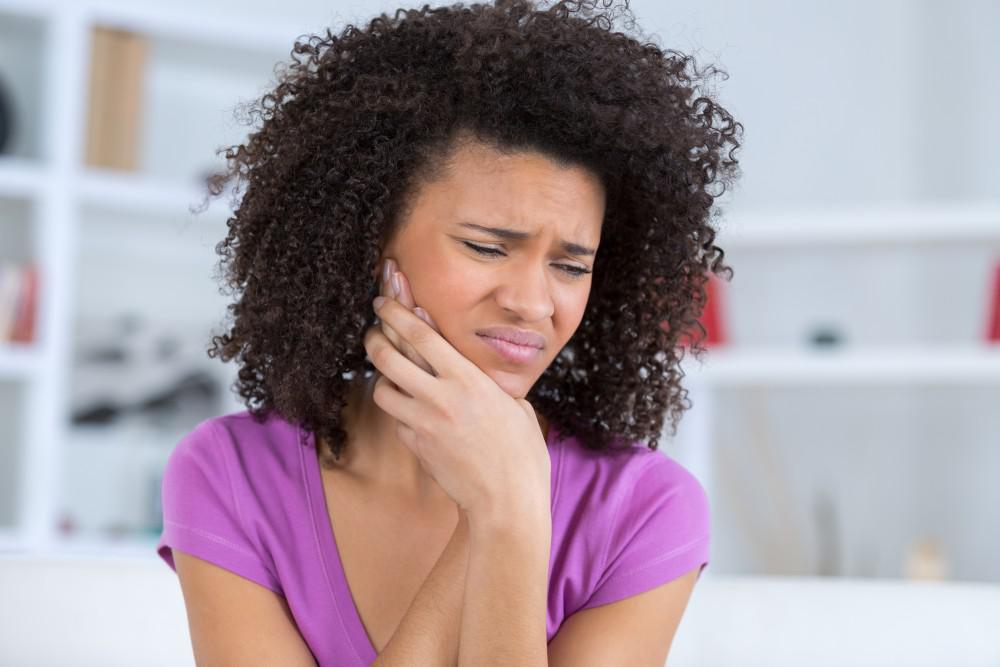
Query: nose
(524, 291)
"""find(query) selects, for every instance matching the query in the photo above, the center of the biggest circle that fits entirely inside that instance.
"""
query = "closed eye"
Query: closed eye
(574, 271)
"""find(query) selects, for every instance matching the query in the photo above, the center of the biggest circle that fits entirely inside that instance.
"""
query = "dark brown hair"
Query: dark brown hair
(358, 120)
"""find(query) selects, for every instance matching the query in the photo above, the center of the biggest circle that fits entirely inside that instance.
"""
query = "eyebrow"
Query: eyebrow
(515, 235)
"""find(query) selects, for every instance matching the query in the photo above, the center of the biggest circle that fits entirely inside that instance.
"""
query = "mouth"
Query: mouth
(512, 352)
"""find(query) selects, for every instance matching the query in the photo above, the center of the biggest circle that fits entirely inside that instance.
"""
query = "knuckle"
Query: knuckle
(379, 354)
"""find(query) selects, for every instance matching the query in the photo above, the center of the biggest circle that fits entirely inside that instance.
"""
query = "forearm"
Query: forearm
(429, 631)
(506, 591)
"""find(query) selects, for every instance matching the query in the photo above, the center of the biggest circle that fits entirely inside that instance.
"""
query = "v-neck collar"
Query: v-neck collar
(329, 553)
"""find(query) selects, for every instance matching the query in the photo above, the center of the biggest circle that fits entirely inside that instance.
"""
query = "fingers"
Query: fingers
(395, 285)
(427, 342)
(386, 290)
(425, 316)
(397, 369)
(406, 298)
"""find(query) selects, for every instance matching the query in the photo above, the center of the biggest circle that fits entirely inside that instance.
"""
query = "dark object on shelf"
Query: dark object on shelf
(131, 367)
(6, 117)
(826, 336)
(198, 387)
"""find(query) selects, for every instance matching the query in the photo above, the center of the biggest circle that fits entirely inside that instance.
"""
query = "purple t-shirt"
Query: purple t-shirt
(249, 498)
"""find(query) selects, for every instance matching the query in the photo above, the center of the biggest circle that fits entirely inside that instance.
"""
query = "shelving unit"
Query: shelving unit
(101, 237)
(889, 429)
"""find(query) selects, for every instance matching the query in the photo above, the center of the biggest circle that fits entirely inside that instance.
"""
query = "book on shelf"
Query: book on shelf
(712, 317)
(117, 64)
(993, 317)
(18, 298)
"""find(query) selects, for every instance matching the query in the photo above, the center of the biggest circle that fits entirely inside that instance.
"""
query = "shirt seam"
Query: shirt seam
(236, 502)
(211, 536)
(659, 559)
(229, 478)
(614, 517)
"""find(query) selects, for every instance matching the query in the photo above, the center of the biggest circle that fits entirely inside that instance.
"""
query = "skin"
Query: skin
(528, 288)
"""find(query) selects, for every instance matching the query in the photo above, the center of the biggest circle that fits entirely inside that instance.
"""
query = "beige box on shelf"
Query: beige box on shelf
(117, 64)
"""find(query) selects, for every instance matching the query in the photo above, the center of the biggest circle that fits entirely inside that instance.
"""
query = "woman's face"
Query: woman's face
(532, 283)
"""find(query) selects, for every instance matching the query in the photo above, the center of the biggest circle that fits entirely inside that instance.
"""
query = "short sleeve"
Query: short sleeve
(660, 531)
(200, 514)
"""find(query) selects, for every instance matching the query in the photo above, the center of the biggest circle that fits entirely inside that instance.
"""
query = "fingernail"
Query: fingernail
(379, 300)
(386, 268)
(422, 314)
(396, 289)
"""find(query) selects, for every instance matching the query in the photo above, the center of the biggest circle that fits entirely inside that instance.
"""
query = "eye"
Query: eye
(574, 271)
(492, 252)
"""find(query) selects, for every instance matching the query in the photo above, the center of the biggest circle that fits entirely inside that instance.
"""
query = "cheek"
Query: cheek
(447, 294)
(441, 291)
(569, 310)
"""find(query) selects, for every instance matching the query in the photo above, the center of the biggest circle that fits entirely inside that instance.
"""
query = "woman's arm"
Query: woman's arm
(506, 590)
(429, 631)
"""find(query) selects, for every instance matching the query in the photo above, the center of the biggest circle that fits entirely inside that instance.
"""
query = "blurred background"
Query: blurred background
(846, 421)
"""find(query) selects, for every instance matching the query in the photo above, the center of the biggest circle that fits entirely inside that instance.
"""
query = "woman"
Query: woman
(423, 480)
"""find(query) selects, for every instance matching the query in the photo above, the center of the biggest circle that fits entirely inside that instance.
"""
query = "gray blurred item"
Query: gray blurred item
(127, 366)
(6, 117)
(826, 336)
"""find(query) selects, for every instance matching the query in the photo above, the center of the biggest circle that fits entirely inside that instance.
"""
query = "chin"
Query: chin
(515, 386)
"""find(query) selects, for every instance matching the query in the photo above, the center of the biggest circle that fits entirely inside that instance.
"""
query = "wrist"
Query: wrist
(501, 522)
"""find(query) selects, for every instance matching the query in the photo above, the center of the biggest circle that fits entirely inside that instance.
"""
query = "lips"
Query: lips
(516, 336)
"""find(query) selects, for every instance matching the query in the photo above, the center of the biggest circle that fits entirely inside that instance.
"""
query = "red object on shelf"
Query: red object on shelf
(993, 323)
(24, 320)
(711, 317)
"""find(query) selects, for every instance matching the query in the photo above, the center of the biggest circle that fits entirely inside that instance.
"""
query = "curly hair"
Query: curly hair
(358, 121)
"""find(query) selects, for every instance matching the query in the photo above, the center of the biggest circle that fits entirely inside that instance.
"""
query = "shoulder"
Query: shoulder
(624, 521)
(240, 444)
(230, 492)
(237, 469)
(617, 478)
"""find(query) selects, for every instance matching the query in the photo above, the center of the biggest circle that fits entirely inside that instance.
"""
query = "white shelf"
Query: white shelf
(125, 547)
(138, 193)
(925, 364)
(21, 177)
(12, 545)
(10, 540)
(18, 361)
(870, 225)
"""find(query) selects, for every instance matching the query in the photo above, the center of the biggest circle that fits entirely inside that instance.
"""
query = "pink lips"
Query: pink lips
(516, 336)
(518, 354)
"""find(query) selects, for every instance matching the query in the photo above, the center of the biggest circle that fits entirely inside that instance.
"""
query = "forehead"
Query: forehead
(526, 191)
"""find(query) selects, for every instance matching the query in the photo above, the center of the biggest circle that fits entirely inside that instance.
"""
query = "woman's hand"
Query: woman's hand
(388, 286)
(484, 448)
